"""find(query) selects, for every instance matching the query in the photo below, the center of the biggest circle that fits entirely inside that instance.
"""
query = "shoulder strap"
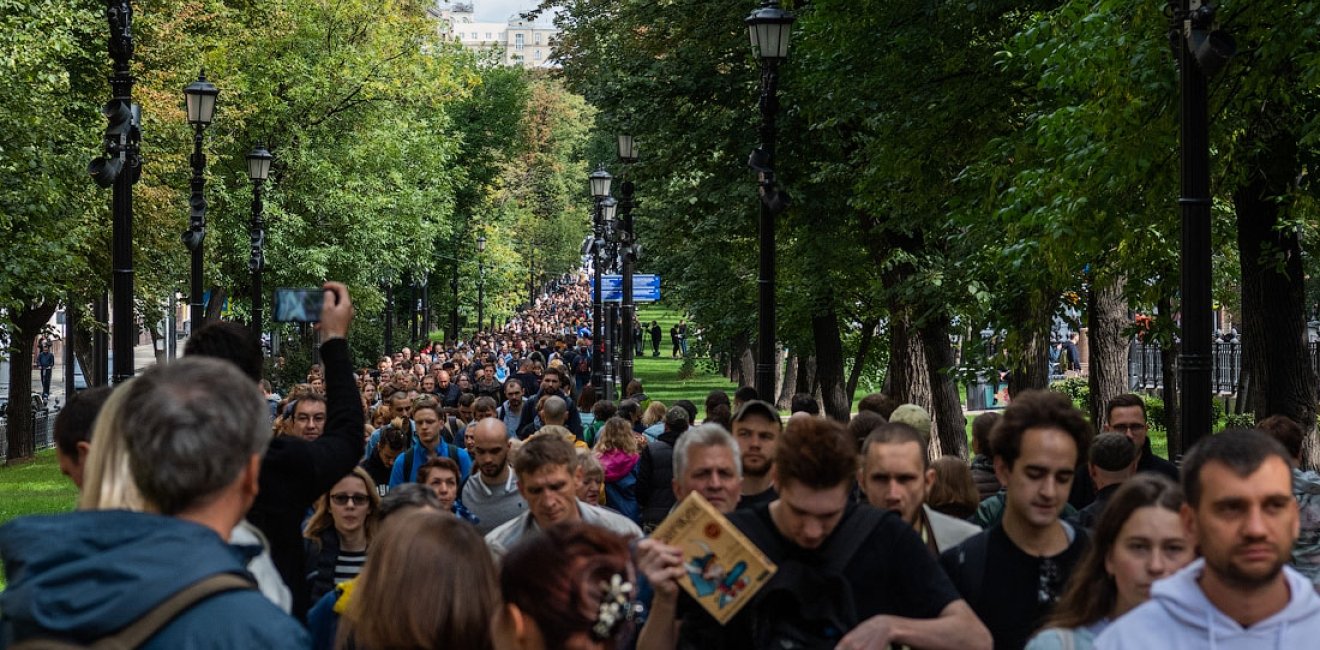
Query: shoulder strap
(850, 536)
(758, 533)
(160, 616)
(452, 453)
(408, 466)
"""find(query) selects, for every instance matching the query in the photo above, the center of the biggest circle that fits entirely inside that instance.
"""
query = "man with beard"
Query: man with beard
(491, 493)
(756, 426)
(1241, 512)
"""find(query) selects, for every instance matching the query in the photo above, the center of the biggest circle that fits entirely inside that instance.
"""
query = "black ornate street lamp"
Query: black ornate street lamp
(627, 155)
(200, 98)
(770, 28)
(481, 282)
(120, 168)
(600, 189)
(1201, 51)
(608, 208)
(258, 162)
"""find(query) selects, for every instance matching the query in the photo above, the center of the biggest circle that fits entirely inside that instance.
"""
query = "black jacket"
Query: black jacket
(294, 472)
(655, 479)
(320, 563)
(526, 425)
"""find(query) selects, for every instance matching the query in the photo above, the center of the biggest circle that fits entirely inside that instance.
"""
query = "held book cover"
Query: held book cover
(724, 568)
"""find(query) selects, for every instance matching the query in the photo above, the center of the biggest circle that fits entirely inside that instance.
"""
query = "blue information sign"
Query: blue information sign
(646, 288)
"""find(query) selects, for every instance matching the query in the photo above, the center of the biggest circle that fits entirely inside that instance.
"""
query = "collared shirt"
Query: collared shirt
(511, 532)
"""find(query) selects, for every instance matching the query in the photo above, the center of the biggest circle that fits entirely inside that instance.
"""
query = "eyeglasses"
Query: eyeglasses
(343, 499)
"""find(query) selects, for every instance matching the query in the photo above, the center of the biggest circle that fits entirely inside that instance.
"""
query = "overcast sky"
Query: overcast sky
(498, 11)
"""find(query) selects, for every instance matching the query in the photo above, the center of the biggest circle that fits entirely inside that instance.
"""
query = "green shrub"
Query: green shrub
(1076, 388)
(1154, 412)
(1240, 420)
(689, 368)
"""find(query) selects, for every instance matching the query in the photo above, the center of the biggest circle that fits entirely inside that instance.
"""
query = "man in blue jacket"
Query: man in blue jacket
(194, 431)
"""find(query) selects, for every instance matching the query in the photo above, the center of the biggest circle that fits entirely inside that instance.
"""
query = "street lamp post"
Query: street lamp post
(200, 98)
(481, 282)
(608, 207)
(627, 156)
(770, 28)
(120, 168)
(258, 162)
(389, 318)
(1202, 51)
(600, 189)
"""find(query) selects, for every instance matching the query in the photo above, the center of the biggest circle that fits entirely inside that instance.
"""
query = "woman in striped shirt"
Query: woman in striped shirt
(339, 531)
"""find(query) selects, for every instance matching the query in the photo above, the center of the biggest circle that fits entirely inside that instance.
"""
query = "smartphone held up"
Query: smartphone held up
(298, 305)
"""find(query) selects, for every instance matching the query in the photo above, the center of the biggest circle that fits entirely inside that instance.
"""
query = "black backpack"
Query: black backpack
(803, 607)
(583, 365)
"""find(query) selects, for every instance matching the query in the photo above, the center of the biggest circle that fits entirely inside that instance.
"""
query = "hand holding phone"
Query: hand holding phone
(336, 311)
(298, 305)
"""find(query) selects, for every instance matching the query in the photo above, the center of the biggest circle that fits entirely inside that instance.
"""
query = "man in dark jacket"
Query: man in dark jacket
(656, 333)
(655, 471)
(551, 384)
(294, 472)
(194, 431)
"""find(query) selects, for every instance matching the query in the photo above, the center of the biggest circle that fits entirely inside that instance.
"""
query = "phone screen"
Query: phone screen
(298, 305)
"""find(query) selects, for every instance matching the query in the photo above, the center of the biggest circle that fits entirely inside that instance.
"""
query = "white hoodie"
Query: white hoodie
(1179, 617)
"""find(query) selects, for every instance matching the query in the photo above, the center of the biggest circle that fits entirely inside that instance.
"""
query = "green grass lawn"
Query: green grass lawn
(659, 375)
(34, 488)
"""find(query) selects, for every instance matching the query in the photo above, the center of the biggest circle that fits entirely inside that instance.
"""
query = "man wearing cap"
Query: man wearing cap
(756, 427)
(913, 416)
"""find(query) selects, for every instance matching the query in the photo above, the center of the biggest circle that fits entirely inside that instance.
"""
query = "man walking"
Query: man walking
(1240, 594)
(46, 364)
(194, 431)
(1014, 572)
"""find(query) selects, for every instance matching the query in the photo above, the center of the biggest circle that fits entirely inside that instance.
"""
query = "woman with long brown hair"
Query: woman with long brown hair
(1138, 540)
(340, 531)
(430, 583)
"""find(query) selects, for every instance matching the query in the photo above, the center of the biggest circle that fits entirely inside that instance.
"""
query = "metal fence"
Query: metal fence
(1146, 369)
(44, 425)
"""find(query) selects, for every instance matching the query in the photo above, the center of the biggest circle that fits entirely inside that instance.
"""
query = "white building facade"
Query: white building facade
(521, 42)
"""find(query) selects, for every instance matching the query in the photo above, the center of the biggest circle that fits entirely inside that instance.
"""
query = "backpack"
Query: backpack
(583, 365)
(141, 630)
(807, 607)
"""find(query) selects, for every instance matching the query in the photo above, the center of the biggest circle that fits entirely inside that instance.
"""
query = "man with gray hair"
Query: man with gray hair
(655, 470)
(194, 432)
(707, 460)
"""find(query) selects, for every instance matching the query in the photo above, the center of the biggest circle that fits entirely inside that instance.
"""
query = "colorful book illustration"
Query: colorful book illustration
(724, 568)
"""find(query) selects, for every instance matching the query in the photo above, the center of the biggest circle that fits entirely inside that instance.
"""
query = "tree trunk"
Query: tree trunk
(214, 306)
(1106, 315)
(1032, 368)
(1169, 370)
(781, 354)
(1273, 292)
(20, 429)
(806, 375)
(746, 368)
(908, 378)
(790, 384)
(947, 419)
(829, 365)
(863, 348)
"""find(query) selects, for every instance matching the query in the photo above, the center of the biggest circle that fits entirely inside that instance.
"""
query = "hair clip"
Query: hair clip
(616, 606)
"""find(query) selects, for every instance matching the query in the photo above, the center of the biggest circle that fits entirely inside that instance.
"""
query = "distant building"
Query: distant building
(522, 42)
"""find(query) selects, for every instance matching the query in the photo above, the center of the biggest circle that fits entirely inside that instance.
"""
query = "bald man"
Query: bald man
(491, 492)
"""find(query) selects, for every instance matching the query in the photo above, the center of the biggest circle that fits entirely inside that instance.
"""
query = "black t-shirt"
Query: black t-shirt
(762, 498)
(1017, 591)
(892, 573)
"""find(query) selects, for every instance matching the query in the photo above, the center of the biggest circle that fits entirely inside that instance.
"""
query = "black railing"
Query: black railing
(1145, 367)
(43, 424)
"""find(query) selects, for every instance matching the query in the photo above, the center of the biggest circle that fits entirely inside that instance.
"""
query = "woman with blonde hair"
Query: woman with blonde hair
(430, 583)
(616, 449)
(654, 419)
(340, 531)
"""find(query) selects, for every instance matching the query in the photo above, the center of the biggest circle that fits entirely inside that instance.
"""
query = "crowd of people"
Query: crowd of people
(481, 496)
